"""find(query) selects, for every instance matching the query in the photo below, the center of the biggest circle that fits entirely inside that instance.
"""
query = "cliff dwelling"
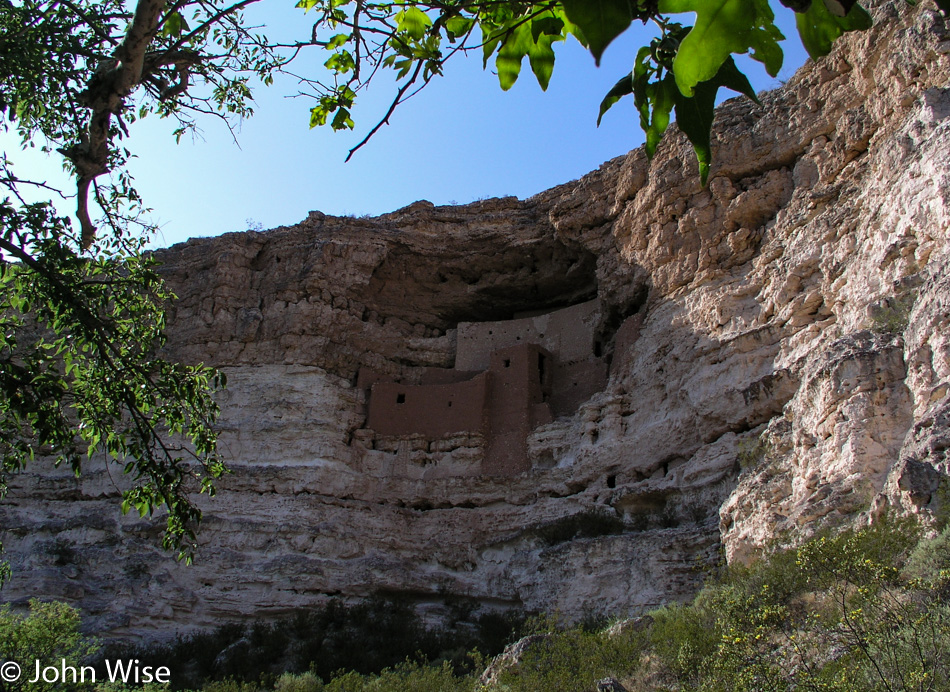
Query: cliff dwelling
(509, 377)
(566, 403)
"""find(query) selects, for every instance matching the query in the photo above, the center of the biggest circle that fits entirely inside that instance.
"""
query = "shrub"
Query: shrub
(683, 638)
(862, 610)
(305, 682)
(365, 638)
(573, 659)
(892, 315)
(753, 452)
(409, 676)
(48, 634)
(230, 685)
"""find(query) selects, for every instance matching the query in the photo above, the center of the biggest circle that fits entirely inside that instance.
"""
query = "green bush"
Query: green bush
(862, 610)
(365, 638)
(409, 676)
(892, 315)
(573, 659)
(751, 453)
(48, 634)
(230, 685)
(305, 682)
(683, 638)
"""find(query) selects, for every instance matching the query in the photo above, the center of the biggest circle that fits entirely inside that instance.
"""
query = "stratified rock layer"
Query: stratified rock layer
(779, 360)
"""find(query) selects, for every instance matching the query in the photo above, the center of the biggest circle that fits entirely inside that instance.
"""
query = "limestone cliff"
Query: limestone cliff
(752, 360)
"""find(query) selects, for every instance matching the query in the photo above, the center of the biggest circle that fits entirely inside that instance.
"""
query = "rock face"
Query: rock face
(752, 361)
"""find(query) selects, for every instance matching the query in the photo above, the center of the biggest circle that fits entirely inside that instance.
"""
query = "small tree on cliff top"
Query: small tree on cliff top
(81, 307)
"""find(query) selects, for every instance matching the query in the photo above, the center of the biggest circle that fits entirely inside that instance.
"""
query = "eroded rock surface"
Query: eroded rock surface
(776, 349)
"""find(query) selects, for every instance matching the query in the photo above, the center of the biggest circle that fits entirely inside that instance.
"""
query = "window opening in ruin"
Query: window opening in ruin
(541, 367)
(612, 481)
(507, 362)
(400, 398)
(450, 404)
(598, 348)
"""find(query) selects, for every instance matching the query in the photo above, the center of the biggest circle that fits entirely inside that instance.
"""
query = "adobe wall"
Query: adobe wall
(432, 410)
(516, 394)
(567, 333)
(509, 378)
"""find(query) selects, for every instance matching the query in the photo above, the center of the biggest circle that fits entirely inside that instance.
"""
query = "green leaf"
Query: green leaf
(318, 116)
(541, 58)
(839, 8)
(341, 62)
(819, 28)
(337, 41)
(722, 27)
(342, 120)
(730, 77)
(601, 21)
(174, 25)
(655, 118)
(546, 26)
(490, 41)
(694, 114)
(414, 22)
(457, 26)
(623, 87)
(764, 38)
(512, 52)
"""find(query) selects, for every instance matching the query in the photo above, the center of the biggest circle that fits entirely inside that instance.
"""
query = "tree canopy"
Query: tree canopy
(82, 375)
(680, 71)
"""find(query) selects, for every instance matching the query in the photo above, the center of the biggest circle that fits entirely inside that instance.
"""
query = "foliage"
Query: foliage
(82, 376)
(73, 328)
(364, 638)
(147, 687)
(305, 682)
(409, 676)
(571, 659)
(861, 610)
(680, 70)
(840, 613)
(752, 452)
(230, 685)
(49, 633)
(892, 315)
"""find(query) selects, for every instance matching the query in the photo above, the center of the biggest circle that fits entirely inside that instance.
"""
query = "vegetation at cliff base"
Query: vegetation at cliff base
(362, 638)
(861, 610)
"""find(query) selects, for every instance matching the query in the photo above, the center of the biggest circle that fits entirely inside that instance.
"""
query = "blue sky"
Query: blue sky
(459, 140)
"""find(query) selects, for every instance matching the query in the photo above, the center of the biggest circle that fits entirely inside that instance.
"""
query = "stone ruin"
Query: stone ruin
(744, 390)
(509, 377)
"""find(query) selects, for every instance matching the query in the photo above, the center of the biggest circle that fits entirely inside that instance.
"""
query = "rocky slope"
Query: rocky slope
(779, 360)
